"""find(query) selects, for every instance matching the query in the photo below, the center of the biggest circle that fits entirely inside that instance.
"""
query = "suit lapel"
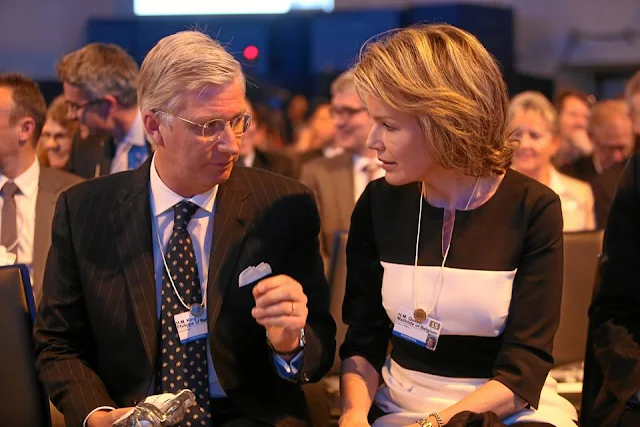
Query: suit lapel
(231, 218)
(48, 190)
(131, 221)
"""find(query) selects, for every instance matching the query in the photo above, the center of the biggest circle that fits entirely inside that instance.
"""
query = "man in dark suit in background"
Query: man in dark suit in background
(252, 156)
(186, 236)
(99, 83)
(615, 313)
(28, 191)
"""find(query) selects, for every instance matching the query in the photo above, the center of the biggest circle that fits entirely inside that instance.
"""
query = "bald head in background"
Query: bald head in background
(611, 131)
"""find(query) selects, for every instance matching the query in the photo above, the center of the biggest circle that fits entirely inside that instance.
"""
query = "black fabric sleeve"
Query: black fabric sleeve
(614, 314)
(525, 358)
(369, 327)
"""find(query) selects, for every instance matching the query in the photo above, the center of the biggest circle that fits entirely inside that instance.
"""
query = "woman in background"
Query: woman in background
(56, 139)
(533, 120)
(454, 257)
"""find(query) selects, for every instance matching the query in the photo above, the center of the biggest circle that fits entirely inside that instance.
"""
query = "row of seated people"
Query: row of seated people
(493, 338)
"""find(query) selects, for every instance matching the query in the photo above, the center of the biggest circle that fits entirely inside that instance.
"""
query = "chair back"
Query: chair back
(337, 283)
(582, 252)
(23, 402)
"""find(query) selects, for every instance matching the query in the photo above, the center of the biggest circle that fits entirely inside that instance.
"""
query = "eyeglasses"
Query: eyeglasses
(344, 112)
(74, 108)
(214, 128)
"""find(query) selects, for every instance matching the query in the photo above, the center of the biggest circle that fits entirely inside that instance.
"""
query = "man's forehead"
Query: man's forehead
(72, 92)
(216, 100)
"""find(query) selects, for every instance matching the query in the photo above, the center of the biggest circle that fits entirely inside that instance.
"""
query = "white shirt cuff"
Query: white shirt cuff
(99, 408)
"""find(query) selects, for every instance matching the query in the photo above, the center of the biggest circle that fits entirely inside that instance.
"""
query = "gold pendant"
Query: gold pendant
(419, 315)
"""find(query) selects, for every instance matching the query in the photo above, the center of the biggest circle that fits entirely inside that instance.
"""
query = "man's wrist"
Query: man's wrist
(297, 344)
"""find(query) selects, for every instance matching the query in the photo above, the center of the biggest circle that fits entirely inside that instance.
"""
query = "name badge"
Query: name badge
(190, 327)
(425, 334)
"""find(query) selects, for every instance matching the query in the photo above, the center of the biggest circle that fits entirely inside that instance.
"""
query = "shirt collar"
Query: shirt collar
(27, 181)
(249, 158)
(360, 163)
(163, 198)
(135, 135)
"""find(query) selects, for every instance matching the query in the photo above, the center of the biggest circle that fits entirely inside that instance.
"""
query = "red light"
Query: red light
(251, 52)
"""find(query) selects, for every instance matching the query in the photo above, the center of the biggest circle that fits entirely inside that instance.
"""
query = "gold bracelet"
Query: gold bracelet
(438, 418)
(425, 422)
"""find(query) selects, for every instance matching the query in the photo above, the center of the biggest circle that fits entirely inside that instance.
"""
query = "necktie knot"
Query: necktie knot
(10, 189)
(182, 214)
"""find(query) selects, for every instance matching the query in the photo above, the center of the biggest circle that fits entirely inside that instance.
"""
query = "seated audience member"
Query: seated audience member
(615, 314)
(632, 96)
(574, 110)
(186, 236)
(604, 185)
(611, 131)
(318, 138)
(252, 156)
(338, 181)
(28, 190)
(54, 147)
(532, 119)
(297, 110)
(453, 244)
(99, 83)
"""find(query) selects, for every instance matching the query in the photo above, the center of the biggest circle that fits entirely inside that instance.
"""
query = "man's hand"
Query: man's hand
(281, 307)
(106, 418)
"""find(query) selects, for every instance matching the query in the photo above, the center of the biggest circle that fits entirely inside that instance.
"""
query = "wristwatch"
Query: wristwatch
(302, 341)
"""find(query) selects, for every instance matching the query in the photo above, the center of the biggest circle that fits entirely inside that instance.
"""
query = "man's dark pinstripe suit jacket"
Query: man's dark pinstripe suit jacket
(97, 329)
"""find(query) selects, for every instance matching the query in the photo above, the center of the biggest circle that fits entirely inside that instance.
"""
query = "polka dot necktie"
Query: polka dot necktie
(182, 366)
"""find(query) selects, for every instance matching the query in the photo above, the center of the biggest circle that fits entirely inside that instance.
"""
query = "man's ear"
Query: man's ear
(152, 126)
(26, 129)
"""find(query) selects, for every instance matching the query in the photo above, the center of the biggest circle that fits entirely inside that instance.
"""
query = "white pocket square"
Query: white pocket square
(252, 274)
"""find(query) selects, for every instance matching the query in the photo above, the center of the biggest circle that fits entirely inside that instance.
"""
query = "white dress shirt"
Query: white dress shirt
(27, 183)
(360, 174)
(576, 200)
(201, 230)
(135, 136)
(248, 160)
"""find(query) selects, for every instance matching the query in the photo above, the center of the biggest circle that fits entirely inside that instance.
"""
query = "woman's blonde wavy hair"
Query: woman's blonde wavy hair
(448, 80)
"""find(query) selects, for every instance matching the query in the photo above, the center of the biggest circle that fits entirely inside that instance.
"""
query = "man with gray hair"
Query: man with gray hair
(188, 272)
(99, 83)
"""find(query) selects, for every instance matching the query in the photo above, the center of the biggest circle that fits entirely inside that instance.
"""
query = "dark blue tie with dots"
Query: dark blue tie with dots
(182, 366)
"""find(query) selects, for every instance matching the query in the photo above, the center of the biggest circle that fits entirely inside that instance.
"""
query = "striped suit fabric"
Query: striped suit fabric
(97, 328)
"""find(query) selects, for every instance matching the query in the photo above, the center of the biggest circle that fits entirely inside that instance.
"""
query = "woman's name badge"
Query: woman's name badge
(190, 327)
(425, 334)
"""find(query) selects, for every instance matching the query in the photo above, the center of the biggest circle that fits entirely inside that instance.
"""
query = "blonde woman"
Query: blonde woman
(56, 139)
(534, 123)
(453, 257)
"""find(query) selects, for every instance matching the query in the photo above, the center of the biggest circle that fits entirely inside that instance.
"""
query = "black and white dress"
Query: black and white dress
(499, 303)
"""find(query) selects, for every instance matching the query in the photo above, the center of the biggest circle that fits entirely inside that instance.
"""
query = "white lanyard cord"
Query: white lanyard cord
(166, 268)
(440, 280)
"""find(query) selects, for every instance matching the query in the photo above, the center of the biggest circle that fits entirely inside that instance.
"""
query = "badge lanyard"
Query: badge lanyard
(196, 309)
(420, 314)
